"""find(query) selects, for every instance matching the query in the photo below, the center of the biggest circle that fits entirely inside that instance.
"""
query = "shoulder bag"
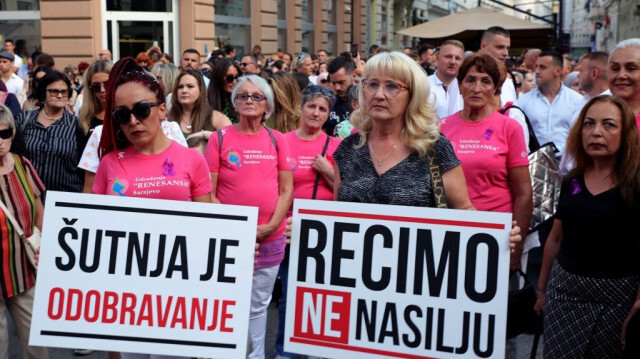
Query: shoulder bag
(317, 182)
(436, 180)
(32, 243)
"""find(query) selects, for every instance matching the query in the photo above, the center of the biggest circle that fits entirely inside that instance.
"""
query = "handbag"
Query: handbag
(436, 180)
(521, 317)
(31, 244)
(546, 178)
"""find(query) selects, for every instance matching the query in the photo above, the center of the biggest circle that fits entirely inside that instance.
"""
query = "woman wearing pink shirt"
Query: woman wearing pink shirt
(492, 150)
(249, 166)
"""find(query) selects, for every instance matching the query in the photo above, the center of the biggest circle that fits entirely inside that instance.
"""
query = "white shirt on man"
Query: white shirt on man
(446, 101)
(14, 85)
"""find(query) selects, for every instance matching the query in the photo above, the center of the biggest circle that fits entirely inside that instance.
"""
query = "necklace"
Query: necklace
(385, 156)
(188, 124)
(44, 114)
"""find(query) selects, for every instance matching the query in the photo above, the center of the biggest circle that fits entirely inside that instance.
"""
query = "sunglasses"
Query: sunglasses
(97, 86)
(324, 81)
(255, 97)
(141, 110)
(56, 92)
(231, 78)
(6, 134)
(319, 89)
(243, 64)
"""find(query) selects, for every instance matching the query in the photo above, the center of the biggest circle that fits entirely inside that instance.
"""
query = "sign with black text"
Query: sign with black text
(380, 281)
(144, 276)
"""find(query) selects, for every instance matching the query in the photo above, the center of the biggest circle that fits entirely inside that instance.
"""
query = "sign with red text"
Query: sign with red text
(381, 281)
(144, 276)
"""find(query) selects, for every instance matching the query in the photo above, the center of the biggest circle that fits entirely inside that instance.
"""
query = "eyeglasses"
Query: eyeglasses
(140, 110)
(56, 92)
(255, 97)
(231, 78)
(243, 64)
(390, 88)
(97, 86)
(6, 134)
(324, 81)
(319, 89)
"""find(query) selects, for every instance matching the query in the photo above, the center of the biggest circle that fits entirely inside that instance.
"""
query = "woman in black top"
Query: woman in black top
(590, 275)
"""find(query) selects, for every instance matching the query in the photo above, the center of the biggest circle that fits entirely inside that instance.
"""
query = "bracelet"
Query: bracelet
(542, 292)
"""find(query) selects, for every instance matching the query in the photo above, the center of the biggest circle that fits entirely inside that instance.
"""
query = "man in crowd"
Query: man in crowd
(341, 77)
(230, 51)
(10, 47)
(288, 59)
(550, 104)
(496, 42)
(190, 59)
(45, 59)
(427, 57)
(323, 56)
(249, 65)
(530, 59)
(593, 75)
(445, 93)
(104, 54)
(11, 80)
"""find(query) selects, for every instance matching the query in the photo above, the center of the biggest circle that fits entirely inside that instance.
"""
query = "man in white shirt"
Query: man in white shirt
(11, 80)
(496, 42)
(445, 94)
(592, 78)
(10, 47)
(550, 104)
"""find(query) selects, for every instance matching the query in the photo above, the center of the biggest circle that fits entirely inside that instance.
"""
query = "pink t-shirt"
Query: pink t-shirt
(638, 121)
(487, 149)
(248, 170)
(177, 173)
(302, 154)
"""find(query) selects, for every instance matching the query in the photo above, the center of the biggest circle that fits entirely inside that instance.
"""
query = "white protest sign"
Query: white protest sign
(144, 276)
(379, 281)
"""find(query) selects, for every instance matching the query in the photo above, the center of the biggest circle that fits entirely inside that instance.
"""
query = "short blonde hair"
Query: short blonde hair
(7, 118)
(420, 131)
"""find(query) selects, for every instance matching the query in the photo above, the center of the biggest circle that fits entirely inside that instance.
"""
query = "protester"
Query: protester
(287, 102)
(8, 76)
(312, 154)
(249, 64)
(31, 103)
(341, 77)
(166, 75)
(528, 83)
(10, 100)
(445, 94)
(623, 74)
(21, 191)
(250, 167)
(496, 42)
(587, 287)
(426, 54)
(95, 92)
(55, 129)
(224, 76)
(304, 64)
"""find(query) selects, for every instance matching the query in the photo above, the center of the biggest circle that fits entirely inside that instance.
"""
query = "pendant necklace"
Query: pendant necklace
(188, 124)
(383, 158)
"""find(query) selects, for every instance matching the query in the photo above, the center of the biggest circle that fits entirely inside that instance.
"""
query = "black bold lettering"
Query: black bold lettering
(390, 316)
(367, 259)
(439, 343)
(162, 242)
(477, 330)
(113, 256)
(368, 317)
(306, 252)
(179, 248)
(338, 254)
(412, 326)
(71, 261)
(224, 260)
(492, 268)
(142, 254)
(403, 259)
(448, 257)
(428, 331)
(466, 325)
(84, 243)
(211, 260)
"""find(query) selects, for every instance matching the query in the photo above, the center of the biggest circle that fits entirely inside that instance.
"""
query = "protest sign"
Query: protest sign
(380, 281)
(144, 276)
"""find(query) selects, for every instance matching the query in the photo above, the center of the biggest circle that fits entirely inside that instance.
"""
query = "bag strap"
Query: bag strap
(436, 180)
(534, 144)
(273, 139)
(15, 223)
(317, 182)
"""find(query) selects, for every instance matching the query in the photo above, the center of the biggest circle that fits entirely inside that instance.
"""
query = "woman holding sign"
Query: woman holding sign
(312, 158)
(134, 148)
(20, 188)
(249, 165)
(590, 277)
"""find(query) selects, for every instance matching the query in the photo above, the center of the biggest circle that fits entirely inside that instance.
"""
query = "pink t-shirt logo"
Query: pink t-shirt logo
(234, 158)
(292, 162)
(488, 133)
(120, 186)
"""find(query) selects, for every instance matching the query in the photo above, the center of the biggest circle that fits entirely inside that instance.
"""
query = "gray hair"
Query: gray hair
(301, 57)
(633, 42)
(168, 72)
(7, 118)
(262, 85)
(314, 91)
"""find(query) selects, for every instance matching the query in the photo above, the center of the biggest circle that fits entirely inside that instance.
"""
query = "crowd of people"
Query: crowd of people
(430, 127)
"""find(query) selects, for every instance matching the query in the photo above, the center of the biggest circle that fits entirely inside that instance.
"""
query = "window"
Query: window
(332, 36)
(282, 25)
(24, 33)
(233, 24)
(137, 5)
(307, 26)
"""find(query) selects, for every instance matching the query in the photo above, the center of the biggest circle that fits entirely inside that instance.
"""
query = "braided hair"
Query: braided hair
(124, 71)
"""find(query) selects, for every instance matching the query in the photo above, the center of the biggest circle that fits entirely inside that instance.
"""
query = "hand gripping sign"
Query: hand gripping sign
(380, 281)
(144, 276)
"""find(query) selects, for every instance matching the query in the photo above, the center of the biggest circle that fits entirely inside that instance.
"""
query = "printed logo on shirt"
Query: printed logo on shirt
(255, 157)
(234, 158)
(146, 186)
(472, 146)
(120, 186)
(305, 162)
(488, 133)
(292, 162)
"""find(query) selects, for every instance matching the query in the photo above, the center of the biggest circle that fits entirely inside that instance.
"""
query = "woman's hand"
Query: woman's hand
(264, 230)
(634, 310)
(37, 256)
(287, 230)
(539, 306)
(321, 165)
(514, 241)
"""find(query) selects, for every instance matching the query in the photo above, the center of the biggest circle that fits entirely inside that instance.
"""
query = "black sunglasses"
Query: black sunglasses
(231, 78)
(97, 86)
(141, 110)
(315, 89)
(6, 134)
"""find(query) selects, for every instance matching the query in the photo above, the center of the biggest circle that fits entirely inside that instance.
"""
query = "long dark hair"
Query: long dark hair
(201, 113)
(218, 98)
(626, 171)
(124, 71)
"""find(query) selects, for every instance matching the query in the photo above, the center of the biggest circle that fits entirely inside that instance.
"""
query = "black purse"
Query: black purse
(521, 318)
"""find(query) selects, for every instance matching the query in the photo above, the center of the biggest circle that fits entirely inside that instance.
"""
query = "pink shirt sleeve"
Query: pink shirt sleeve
(100, 182)
(201, 181)
(284, 162)
(212, 153)
(518, 154)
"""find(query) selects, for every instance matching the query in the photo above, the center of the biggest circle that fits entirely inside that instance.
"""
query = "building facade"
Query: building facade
(76, 30)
